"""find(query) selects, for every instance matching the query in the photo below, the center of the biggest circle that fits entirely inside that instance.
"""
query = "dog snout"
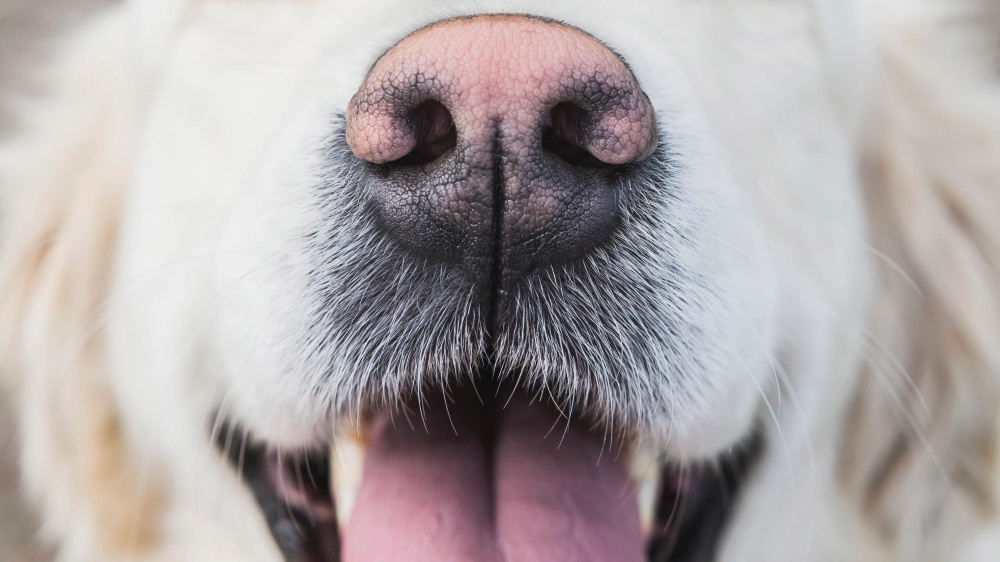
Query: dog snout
(496, 142)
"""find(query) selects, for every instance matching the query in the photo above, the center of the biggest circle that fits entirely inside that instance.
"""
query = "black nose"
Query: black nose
(494, 143)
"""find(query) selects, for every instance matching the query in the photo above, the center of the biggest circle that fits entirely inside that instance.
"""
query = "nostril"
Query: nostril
(563, 136)
(434, 131)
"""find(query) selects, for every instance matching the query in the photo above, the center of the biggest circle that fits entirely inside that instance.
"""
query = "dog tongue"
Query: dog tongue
(467, 485)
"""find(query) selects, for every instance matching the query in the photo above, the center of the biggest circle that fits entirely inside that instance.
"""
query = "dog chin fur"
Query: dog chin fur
(835, 191)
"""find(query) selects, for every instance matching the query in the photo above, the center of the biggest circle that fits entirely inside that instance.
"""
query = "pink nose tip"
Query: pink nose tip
(506, 70)
(499, 141)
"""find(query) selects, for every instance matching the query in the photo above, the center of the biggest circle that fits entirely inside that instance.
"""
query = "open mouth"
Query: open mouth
(488, 472)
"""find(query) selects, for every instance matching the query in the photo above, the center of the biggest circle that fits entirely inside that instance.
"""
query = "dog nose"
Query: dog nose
(498, 142)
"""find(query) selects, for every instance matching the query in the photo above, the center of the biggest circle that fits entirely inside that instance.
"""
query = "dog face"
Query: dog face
(495, 268)
(627, 300)
(412, 210)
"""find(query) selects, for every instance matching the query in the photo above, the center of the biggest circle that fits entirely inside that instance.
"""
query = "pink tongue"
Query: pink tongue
(446, 493)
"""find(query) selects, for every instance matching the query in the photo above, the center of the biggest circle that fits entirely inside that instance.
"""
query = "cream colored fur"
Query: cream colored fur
(881, 411)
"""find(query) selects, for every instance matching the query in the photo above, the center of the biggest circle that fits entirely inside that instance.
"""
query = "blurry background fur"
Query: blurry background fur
(27, 32)
(24, 26)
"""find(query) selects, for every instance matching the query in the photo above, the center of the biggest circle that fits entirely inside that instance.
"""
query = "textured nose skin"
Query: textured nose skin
(495, 141)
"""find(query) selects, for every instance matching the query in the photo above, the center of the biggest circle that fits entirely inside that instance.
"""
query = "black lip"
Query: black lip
(696, 503)
(305, 529)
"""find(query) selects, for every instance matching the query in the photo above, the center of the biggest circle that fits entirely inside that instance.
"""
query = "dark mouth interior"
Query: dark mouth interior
(295, 496)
